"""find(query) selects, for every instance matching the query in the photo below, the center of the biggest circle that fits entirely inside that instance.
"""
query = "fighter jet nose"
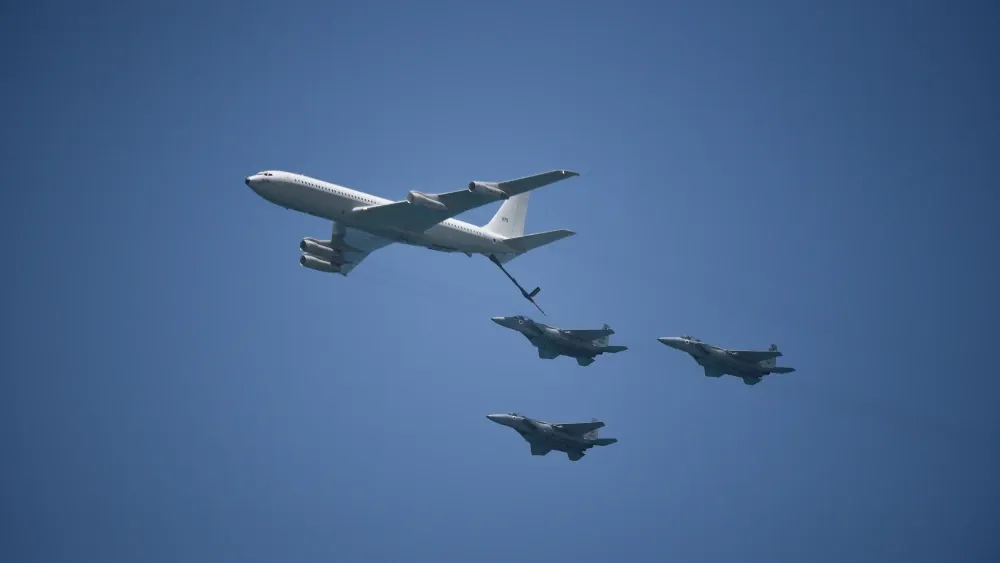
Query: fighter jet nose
(493, 417)
(497, 320)
(670, 341)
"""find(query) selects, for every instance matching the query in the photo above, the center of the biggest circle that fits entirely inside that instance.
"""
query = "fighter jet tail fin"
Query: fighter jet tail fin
(593, 438)
(769, 363)
(604, 340)
(592, 435)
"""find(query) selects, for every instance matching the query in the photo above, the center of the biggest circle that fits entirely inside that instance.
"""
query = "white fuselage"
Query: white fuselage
(330, 201)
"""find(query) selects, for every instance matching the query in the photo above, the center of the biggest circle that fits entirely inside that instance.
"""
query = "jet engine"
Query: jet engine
(424, 200)
(314, 263)
(316, 249)
(489, 189)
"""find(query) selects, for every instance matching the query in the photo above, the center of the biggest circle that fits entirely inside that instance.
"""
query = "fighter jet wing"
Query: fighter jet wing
(579, 428)
(752, 356)
(421, 211)
(538, 449)
(589, 334)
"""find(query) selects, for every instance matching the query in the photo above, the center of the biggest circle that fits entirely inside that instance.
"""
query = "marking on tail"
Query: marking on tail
(770, 362)
(509, 220)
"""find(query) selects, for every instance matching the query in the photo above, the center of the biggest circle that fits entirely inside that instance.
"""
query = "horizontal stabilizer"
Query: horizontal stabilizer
(613, 349)
(604, 441)
(531, 242)
(780, 370)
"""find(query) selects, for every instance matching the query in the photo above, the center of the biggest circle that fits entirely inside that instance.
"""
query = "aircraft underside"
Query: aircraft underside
(547, 352)
(748, 377)
(540, 448)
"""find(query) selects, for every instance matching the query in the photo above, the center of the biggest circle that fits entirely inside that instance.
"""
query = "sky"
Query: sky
(819, 175)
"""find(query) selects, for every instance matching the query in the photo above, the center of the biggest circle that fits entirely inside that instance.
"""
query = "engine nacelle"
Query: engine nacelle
(424, 200)
(489, 189)
(314, 263)
(313, 247)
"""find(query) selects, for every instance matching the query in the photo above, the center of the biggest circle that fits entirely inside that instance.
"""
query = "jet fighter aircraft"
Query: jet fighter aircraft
(552, 342)
(749, 365)
(572, 438)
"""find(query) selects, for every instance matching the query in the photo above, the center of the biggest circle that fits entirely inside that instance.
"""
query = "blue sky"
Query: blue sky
(820, 175)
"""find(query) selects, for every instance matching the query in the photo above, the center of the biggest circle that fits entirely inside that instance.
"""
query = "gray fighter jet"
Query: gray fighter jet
(571, 438)
(749, 365)
(552, 342)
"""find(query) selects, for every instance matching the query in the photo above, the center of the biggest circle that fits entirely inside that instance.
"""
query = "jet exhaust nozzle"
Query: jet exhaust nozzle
(313, 247)
(314, 263)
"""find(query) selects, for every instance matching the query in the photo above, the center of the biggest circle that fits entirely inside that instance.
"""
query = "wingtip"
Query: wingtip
(569, 173)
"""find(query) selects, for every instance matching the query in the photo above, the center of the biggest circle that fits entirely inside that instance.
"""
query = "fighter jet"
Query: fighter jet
(571, 438)
(552, 342)
(749, 365)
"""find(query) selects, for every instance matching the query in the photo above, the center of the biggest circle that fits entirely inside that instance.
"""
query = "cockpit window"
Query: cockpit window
(264, 174)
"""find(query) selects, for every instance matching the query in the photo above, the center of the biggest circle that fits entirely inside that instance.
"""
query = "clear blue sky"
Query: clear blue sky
(818, 175)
